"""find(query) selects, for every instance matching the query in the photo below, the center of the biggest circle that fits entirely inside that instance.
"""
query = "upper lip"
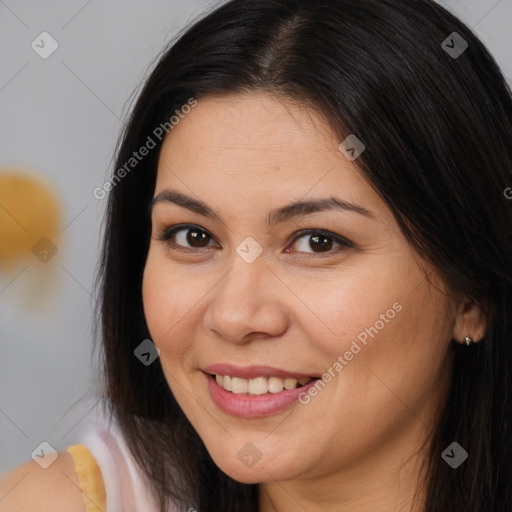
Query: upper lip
(251, 372)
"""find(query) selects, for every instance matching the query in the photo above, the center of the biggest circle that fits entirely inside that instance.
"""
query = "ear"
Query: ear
(470, 321)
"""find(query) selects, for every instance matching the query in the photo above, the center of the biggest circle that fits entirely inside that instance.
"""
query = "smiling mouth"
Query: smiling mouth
(259, 385)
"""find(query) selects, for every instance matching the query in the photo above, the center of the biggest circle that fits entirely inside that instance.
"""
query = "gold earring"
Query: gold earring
(468, 340)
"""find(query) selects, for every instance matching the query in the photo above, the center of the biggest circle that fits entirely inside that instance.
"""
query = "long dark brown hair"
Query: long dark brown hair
(438, 133)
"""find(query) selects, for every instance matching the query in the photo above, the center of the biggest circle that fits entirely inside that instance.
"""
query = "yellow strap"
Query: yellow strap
(90, 478)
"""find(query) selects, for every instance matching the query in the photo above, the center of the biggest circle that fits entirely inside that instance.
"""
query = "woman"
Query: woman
(307, 268)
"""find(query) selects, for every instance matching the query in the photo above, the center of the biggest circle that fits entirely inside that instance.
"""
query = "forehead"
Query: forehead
(256, 146)
(250, 126)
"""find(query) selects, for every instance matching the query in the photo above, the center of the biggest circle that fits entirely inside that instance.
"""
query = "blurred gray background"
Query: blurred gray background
(60, 117)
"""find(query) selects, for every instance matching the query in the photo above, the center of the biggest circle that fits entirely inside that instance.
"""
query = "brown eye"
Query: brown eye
(196, 238)
(321, 242)
(186, 237)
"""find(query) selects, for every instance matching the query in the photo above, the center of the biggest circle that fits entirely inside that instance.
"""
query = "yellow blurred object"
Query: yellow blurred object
(29, 219)
(89, 477)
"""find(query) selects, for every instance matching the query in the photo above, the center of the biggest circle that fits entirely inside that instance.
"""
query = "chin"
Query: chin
(264, 469)
(248, 477)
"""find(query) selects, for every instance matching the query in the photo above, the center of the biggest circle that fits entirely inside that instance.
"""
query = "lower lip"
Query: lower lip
(254, 406)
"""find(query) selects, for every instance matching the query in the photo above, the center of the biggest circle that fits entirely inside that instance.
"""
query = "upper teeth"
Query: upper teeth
(259, 385)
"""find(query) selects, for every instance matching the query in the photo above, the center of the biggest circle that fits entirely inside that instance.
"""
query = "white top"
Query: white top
(127, 488)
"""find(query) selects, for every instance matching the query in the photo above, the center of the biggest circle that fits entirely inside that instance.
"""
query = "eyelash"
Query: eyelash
(167, 233)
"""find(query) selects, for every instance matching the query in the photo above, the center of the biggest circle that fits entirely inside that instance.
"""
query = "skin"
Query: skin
(357, 445)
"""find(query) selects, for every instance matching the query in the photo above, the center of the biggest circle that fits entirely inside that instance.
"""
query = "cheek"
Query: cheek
(404, 364)
(171, 300)
(388, 326)
(352, 304)
(163, 299)
(390, 303)
(155, 300)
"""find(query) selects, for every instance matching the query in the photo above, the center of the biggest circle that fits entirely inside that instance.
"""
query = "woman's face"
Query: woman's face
(234, 289)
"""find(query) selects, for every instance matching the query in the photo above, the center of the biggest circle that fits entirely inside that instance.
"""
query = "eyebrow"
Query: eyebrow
(277, 216)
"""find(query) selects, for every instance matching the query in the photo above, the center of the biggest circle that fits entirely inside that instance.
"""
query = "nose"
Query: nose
(247, 303)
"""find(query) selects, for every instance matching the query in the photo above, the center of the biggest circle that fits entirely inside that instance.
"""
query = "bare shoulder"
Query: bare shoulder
(30, 488)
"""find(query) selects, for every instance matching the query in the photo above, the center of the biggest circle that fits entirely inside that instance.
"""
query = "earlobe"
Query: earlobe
(470, 323)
